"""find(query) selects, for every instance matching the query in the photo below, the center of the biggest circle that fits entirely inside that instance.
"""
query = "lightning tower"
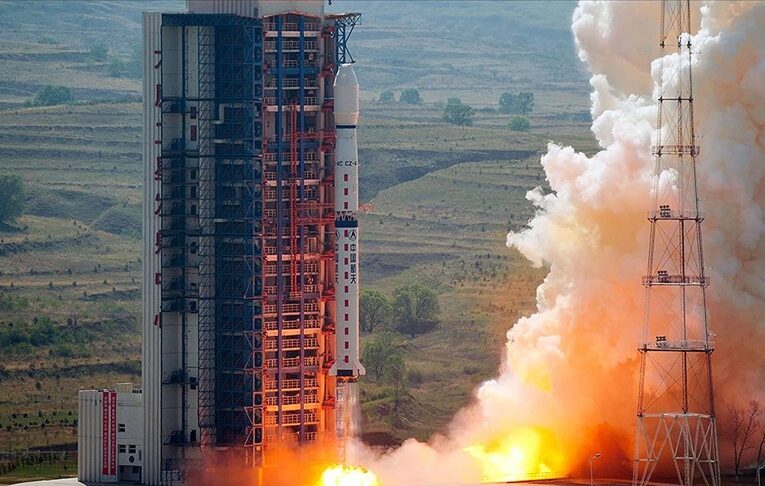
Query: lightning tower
(676, 428)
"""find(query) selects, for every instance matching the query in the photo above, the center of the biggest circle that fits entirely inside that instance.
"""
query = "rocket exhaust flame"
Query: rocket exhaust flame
(348, 420)
(523, 454)
(347, 476)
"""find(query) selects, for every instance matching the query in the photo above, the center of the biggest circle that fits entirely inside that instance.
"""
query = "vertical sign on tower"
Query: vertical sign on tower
(113, 433)
(109, 433)
(105, 398)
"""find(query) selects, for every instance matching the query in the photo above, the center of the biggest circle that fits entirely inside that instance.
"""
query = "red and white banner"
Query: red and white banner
(109, 427)
(105, 399)
(113, 434)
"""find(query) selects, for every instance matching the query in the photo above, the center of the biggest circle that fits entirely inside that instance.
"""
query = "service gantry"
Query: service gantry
(239, 290)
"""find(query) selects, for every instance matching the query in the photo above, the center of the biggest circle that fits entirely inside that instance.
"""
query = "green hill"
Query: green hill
(443, 197)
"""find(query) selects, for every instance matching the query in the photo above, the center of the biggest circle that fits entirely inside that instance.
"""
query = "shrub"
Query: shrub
(12, 200)
(43, 332)
(64, 350)
(396, 374)
(52, 95)
(130, 67)
(519, 124)
(415, 309)
(416, 377)
(375, 310)
(522, 103)
(120, 221)
(410, 96)
(377, 351)
(458, 113)
(387, 97)
(99, 52)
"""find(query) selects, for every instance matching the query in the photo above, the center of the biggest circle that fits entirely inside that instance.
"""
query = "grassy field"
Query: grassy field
(37, 472)
(417, 234)
(443, 198)
(73, 258)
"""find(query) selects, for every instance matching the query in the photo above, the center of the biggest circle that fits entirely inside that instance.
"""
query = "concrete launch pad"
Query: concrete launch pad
(54, 482)
(551, 482)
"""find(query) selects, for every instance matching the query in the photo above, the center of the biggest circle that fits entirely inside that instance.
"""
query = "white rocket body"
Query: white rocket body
(347, 365)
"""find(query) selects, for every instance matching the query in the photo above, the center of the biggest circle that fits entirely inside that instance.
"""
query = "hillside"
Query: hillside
(443, 196)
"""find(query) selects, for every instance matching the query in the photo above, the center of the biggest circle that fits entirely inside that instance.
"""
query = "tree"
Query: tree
(374, 310)
(131, 67)
(52, 95)
(458, 113)
(410, 96)
(387, 97)
(526, 102)
(415, 309)
(745, 422)
(377, 351)
(759, 465)
(519, 124)
(12, 201)
(99, 52)
(522, 103)
(396, 374)
(116, 67)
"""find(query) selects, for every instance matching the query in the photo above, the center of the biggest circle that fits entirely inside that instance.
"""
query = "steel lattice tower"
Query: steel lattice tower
(676, 427)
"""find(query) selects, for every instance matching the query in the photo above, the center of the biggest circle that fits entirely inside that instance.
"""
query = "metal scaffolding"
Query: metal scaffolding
(296, 235)
(211, 236)
(676, 424)
(343, 28)
(246, 229)
(238, 213)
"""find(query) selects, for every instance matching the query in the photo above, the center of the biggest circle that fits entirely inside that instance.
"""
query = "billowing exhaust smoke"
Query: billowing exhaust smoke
(567, 387)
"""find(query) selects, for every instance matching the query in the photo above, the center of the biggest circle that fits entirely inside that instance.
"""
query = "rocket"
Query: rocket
(347, 366)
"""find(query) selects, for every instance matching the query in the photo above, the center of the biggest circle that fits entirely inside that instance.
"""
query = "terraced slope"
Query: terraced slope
(29, 66)
(72, 258)
(90, 149)
(442, 199)
(446, 230)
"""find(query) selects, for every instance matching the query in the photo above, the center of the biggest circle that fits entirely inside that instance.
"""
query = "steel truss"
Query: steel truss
(213, 199)
(676, 424)
(298, 275)
(344, 26)
(246, 230)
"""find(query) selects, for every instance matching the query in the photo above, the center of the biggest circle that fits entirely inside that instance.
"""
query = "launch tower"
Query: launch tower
(676, 427)
(239, 257)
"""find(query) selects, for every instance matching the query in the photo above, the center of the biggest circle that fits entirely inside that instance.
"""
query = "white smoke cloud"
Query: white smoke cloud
(730, 90)
(571, 365)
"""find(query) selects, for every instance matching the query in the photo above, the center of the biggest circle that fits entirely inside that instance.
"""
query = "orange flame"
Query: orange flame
(340, 475)
(524, 453)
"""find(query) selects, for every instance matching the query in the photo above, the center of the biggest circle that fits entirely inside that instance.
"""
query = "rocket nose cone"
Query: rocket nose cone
(346, 96)
(346, 77)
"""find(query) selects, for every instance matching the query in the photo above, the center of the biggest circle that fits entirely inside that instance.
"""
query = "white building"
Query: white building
(110, 435)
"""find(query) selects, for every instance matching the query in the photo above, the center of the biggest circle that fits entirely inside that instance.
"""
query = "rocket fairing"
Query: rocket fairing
(347, 365)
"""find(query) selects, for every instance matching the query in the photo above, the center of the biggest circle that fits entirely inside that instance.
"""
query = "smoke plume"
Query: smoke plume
(570, 368)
